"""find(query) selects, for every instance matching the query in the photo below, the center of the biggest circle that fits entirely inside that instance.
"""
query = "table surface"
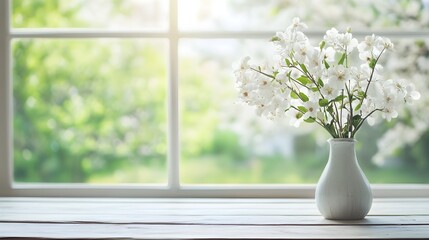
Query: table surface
(83, 218)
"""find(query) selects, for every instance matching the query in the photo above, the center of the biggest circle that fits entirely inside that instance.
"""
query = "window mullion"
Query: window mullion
(5, 98)
(173, 105)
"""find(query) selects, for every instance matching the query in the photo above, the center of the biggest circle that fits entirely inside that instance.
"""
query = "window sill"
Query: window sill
(205, 218)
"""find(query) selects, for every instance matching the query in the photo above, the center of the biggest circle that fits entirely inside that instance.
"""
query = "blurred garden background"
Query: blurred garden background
(94, 110)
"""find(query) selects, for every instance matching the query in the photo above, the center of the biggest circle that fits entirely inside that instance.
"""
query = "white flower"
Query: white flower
(329, 91)
(359, 75)
(312, 109)
(389, 99)
(405, 89)
(383, 90)
(366, 56)
(295, 73)
(338, 76)
(384, 43)
(340, 41)
(368, 106)
(302, 51)
(389, 113)
(347, 42)
(279, 105)
(264, 83)
(244, 63)
(282, 76)
(367, 45)
(315, 58)
(331, 37)
(243, 72)
(261, 109)
(412, 95)
(365, 74)
(288, 40)
(297, 25)
(313, 96)
(314, 62)
(328, 54)
(284, 45)
(372, 45)
(295, 117)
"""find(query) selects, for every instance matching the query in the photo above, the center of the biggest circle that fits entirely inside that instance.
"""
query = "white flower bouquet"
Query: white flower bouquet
(321, 84)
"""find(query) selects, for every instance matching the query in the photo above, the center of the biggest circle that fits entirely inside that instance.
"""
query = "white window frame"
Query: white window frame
(173, 188)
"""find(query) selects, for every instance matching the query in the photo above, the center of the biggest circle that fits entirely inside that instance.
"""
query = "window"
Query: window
(136, 98)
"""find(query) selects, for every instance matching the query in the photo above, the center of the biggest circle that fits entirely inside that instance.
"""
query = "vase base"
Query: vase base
(345, 218)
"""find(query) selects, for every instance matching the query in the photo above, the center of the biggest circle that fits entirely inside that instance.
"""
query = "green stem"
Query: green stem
(311, 78)
(371, 76)
(265, 74)
(341, 112)
(351, 111)
(363, 120)
(318, 122)
(337, 121)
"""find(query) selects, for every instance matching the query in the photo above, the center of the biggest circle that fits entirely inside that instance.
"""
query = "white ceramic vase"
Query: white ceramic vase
(343, 192)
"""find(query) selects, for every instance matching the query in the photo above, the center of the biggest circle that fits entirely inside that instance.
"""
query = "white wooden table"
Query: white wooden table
(66, 218)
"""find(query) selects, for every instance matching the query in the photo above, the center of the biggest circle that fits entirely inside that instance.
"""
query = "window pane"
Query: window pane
(90, 111)
(112, 14)
(223, 141)
(241, 15)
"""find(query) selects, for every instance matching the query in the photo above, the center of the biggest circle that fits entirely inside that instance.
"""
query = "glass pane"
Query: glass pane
(223, 141)
(274, 15)
(112, 14)
(90, 111)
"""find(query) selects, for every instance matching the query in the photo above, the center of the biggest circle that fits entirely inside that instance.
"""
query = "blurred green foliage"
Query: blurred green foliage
(87, 110)
(88, 107)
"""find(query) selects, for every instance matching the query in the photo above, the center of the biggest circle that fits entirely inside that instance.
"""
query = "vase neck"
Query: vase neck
(342, 151)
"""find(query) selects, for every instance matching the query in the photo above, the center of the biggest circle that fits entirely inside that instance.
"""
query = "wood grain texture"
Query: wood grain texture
(66, 218)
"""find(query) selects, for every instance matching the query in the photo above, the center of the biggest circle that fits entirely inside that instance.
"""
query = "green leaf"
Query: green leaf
(420, 43)
(314, 89)
(331, 128)
(302, 109)
(294, 95)
(356, 120)
(303, 67)
(320, 82)
(287, 62)
(345, 130)
(339, 98)
(299, 115)
(361, 94)
(275, 74)
(322, 45)
(343, 57)
(310, 120)
(304, 80)
(275, 39)
(372, 63)
(326, 64)
(358, 107)
(303, 97)
(323, 102)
